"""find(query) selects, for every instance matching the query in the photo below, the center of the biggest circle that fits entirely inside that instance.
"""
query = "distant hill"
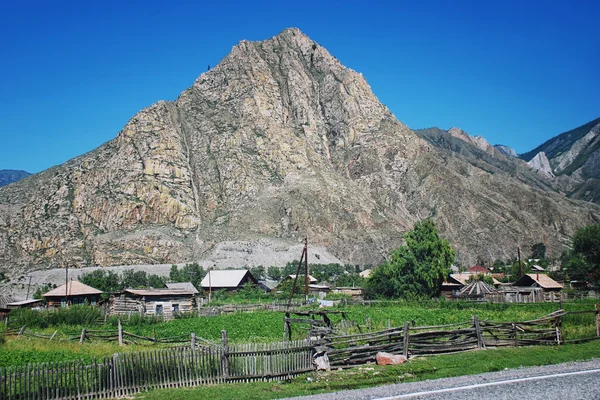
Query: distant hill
(573, 157)
(9, 176)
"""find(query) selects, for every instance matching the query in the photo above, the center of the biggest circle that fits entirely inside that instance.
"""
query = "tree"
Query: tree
(350, 280)
(585, 258)
(538, 251)
(174, 274)
(416, 269)
(274, 273)
(156, 281)
(107, 281)
(193, 273)
(258, 272)
(134, 279)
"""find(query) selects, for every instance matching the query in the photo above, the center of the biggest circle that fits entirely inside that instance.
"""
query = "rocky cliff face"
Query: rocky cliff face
(574, 157)
(278, 141)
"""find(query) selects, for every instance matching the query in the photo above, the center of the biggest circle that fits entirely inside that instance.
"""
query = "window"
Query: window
(175, 308)
(159, 309)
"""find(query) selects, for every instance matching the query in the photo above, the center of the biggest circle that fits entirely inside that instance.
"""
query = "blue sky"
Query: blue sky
(517, 72)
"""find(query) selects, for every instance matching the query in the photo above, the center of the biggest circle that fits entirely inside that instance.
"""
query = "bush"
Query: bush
(76, 315)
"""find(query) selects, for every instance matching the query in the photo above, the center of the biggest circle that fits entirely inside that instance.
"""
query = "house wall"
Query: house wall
(128, 303)
(59, 301)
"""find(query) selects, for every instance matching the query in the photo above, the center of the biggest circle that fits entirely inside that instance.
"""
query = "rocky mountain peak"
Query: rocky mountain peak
(277, 142)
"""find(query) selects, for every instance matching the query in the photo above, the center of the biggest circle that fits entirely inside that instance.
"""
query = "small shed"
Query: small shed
(166, 303)
(478, 290)
(228, 279)
(186, 286)
(31, 303)
(72, 293)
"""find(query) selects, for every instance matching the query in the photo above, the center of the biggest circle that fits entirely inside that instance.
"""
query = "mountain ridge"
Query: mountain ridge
(279, 140)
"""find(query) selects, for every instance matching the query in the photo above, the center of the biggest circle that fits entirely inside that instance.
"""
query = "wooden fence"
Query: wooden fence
(128, 373)
(355, 349)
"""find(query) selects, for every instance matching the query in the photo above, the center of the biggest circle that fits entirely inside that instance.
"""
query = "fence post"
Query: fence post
(480, 343)
(558, 326)
(597, 321)
(406, 341)
(54, 334)
(225, 357)
(82, 338)
(193, 341)
(22, 330)
(120, 333)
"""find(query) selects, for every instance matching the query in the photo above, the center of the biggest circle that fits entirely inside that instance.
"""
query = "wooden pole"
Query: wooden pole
(520, 263)
(193, 343)
(296, 277)
(82, 338)
(120, 333)
(406, 339)
(597, 321)
(225, 356)
(306, 269)
(480, 343)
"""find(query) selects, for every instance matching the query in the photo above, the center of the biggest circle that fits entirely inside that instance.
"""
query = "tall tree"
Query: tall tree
(586, 247)
(416, 269)
(538, 251)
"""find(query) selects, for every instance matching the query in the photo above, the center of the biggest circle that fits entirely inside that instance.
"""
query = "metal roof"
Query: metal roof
(160, 292)
(543, 280)
(72, 288)
(24, 302)
(225, 278)
(188, 286)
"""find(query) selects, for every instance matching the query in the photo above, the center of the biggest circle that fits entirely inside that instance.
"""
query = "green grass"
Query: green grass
(417, 369)
(268, 326)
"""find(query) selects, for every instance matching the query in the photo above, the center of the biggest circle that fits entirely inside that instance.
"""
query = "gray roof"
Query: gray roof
(224, 278)
(4, 300)
(187, 286)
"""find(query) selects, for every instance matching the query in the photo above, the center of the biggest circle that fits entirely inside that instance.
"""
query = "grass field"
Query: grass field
(372, 375)
(268, 327)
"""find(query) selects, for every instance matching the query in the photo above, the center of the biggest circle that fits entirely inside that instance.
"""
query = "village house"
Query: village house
(535, 288)
(311, 279)
(227, 279)
(72, 293)
(165, 303)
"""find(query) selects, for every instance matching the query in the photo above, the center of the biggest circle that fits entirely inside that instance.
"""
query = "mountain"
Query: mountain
(9, 176)
(507, 151)
(277, 142)
(573, 157)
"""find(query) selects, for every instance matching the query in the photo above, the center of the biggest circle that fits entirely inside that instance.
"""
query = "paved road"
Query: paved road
(579, 380)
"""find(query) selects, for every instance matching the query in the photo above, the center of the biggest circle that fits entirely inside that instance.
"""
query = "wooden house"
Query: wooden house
(228, 279)
(72, 293)
(31, 303)
(166, 303)
(311, 279)
(540, 287)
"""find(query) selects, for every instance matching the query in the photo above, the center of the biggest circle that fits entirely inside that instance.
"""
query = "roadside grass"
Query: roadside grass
(417, 369)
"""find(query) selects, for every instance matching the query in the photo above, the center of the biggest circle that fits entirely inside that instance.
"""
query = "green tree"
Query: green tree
(538, 251)
(350, 280)
(274, 273)
(193, 273)
(416, 269)
(156, 281)
(107, 281)
(175, 274)
(586, 251)
(134, 279)
(258, 272)
(481, 277)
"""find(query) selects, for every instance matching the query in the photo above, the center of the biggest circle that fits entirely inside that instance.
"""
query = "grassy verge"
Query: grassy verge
(372, 375)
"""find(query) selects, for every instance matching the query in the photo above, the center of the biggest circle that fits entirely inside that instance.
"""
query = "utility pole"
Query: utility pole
(209, 286)
(306, 280)
(28, 286)
(520, 263)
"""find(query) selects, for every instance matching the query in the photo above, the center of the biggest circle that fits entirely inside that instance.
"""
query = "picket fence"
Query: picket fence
(125, 374)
